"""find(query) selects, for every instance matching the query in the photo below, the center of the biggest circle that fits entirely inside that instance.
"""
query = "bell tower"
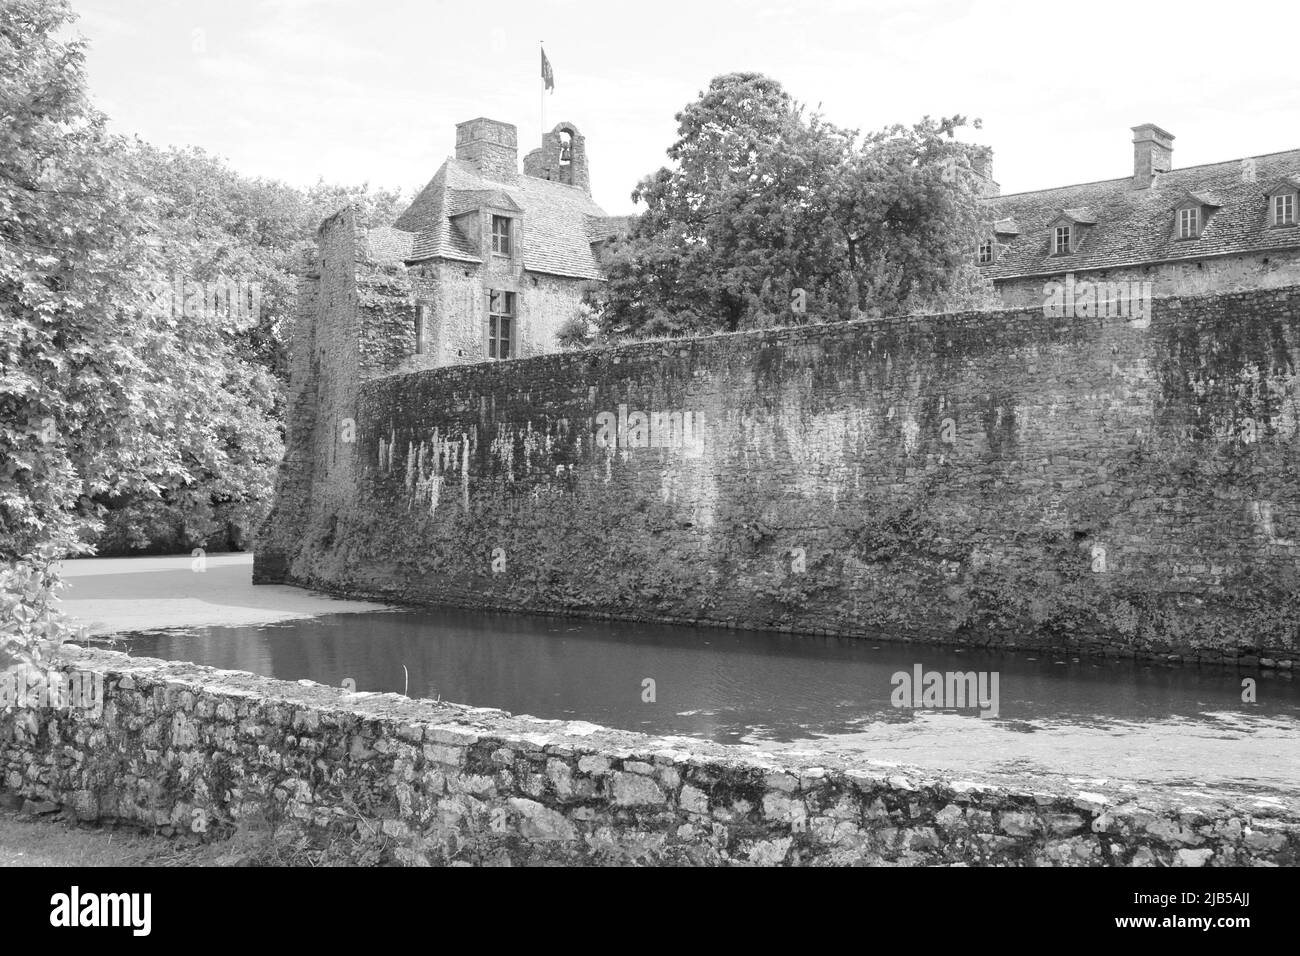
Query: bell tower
(562, 158)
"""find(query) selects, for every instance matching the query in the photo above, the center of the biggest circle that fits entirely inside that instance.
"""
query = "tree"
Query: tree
(75, 389)
(906, 210)
(77, 392)
(764, 200)
(122, 395)
(221, 232)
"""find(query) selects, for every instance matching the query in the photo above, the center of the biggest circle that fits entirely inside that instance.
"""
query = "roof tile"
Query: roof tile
(1135, 226)
(556, 219)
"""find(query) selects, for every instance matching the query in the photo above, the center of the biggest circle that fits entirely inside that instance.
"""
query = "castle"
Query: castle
(494, 262)
(497, 260)
(1019, 477)
(1220, 227)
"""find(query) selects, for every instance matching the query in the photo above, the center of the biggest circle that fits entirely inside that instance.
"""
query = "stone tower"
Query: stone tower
(562, 158)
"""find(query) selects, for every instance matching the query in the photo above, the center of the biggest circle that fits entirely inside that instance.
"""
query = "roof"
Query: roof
(603, 228)
(556, 219)
(387, 244)
(1135, 226)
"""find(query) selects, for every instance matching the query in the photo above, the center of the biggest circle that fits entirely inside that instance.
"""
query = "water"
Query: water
(728, 686)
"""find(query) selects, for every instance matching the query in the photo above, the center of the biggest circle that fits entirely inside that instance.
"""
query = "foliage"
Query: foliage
(577, 332)
(763, 200)
(78, 383)
(218, 230)
(118, 397)
(31, 626)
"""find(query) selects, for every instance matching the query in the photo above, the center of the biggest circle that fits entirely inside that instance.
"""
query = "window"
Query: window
(1189, 223)
(1284, 211)
(501, 235)
(501, 323)
(421, 323)
(985, 253)
(1061, 241)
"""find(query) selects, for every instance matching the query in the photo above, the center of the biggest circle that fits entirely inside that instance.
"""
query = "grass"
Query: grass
(27, 840)
(58, 840)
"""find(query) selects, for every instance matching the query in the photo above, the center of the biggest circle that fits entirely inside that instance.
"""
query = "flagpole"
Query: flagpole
(541, 93)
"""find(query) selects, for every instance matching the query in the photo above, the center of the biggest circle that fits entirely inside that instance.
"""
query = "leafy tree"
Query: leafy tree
(764, 200)
(122, 395)
(218, 230)
(76, 393)
(907, 212)
(374, 207)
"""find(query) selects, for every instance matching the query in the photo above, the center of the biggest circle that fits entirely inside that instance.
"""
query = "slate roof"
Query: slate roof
(387, 244)
(555, 217)
(1135, 226)
(604, 228)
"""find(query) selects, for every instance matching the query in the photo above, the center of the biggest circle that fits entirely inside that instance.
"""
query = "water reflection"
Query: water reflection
(721, 684)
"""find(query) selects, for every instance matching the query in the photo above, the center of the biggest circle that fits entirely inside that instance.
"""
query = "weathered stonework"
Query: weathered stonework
(536, 268)
(1230, 273)
(381, 778)
(1005, 479)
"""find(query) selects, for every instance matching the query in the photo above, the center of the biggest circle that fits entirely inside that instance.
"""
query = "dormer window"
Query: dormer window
(1193, 213)
(1284, 203)
(1283, 209)
(985, 254)
(1068, 230)
(501, 235)
(1062, 238)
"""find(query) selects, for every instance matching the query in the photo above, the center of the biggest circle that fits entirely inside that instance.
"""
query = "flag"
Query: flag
(548, 78)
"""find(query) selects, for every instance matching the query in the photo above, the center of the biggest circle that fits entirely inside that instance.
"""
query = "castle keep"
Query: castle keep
(496, 260)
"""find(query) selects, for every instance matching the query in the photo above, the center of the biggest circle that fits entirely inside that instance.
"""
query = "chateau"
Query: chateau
(1222, 227)
(493, 261)
(497, 260)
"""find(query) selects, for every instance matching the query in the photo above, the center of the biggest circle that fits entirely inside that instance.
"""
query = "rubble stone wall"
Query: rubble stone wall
(381, 778)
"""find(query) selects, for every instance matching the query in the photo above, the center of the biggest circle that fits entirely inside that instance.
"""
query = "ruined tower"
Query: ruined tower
(562, 158)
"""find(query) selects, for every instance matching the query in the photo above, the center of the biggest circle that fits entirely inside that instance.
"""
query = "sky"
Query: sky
(356, 91)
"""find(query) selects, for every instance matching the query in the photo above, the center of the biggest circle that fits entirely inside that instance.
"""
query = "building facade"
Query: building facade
(498, 260)
(1220, 227)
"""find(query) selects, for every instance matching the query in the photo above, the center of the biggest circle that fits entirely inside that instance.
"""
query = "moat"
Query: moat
(1077, 718)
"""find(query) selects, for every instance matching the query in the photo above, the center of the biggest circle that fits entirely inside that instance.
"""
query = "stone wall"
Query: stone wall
(1005, 479)
(1271, 270)
(381, 778)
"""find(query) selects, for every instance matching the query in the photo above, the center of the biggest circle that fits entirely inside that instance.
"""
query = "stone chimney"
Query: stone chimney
(490, 146)
(981, 161)
(1153, 152)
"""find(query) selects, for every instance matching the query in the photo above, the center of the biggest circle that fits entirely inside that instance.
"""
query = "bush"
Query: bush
(31, 625)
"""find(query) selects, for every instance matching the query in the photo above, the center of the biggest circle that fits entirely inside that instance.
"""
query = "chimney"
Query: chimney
(1153, 152)
(490, 146)
(982, 165)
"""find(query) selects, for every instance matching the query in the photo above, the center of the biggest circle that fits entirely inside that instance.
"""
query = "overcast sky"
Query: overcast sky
(371, 90)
